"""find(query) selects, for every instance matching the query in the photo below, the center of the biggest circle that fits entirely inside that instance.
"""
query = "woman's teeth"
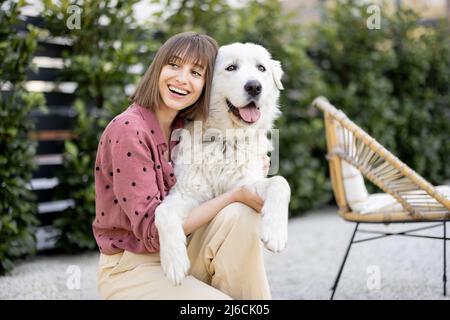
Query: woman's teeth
(178, 91)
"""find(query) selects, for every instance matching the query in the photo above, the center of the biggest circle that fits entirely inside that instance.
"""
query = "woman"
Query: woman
(134, 173)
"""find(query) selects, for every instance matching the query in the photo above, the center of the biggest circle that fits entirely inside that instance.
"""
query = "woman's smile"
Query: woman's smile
(177, 92)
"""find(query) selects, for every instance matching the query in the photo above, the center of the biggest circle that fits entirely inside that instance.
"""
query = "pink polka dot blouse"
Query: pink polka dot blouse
(132, 177)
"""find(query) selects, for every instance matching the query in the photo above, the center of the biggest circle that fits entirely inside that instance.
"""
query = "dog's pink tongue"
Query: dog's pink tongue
(249, 113)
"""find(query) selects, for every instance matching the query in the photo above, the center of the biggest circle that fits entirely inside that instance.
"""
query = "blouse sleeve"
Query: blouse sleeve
(134, 182)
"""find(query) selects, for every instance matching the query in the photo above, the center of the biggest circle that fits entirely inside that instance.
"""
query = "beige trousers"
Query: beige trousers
(226, 263)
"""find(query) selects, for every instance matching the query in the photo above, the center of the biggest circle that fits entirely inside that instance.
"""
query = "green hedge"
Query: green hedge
(17, 208)
(394, 82)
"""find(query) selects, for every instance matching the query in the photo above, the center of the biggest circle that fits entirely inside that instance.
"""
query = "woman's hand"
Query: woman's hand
(266, 164)
(248, 197)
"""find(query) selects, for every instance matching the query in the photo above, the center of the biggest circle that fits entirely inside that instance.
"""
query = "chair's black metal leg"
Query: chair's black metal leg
(444, 278)
(336, 281)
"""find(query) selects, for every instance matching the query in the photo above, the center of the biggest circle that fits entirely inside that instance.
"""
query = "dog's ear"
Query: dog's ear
(277, 73)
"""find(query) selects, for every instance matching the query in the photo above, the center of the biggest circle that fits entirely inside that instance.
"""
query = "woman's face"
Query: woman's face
(181, 83)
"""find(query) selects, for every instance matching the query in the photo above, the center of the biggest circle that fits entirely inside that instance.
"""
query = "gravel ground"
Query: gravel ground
(389, 268)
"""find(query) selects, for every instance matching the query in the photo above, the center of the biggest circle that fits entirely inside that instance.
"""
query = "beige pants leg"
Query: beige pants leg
(226, 261)
(227, 253)
(139, 276)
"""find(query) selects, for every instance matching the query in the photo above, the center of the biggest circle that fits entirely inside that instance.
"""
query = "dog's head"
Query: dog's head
(245, 87)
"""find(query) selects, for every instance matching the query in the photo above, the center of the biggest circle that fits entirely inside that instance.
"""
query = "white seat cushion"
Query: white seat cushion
(354, 187)
(381, 202)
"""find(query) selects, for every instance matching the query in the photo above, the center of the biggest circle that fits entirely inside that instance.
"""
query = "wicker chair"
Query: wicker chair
(408, 197)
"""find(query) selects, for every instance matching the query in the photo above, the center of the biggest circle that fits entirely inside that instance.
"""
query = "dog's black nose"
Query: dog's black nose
(253, 88)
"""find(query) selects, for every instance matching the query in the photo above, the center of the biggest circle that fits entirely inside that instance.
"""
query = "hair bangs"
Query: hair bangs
(189, 50)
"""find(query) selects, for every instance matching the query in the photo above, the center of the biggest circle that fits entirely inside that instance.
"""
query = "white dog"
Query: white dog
(226, 152)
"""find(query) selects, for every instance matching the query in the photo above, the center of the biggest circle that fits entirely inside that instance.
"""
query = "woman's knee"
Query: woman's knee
(241, 216)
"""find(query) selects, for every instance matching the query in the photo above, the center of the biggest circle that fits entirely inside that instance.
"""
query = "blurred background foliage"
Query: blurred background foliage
(17, 208)
(393, 81)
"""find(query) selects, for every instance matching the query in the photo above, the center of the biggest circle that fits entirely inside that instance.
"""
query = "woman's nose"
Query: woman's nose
(182, 75)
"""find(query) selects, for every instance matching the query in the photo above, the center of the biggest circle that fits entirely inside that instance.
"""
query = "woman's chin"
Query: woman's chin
(176, 105)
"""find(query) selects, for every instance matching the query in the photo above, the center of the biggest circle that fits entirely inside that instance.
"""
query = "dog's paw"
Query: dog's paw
(274, 233)
(175, 262)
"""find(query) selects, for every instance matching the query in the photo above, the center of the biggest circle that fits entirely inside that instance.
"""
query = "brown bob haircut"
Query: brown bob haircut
(193, 48)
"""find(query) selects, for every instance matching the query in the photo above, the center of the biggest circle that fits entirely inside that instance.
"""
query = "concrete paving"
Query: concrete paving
(389, 268)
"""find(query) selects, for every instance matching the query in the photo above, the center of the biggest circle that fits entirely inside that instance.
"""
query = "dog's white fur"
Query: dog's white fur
(203, 170)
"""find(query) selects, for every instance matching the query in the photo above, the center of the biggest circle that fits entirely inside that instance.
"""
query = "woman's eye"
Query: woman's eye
(173, 64)
(197, 74)
(261, 68)
(231, 67)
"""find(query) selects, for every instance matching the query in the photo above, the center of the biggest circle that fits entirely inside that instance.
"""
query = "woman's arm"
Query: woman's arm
(205, 212)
